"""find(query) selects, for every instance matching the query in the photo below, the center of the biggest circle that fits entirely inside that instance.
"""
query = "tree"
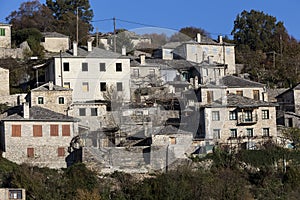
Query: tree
(32, 14)
(122, 40)
(293, 134)
(65, 12)
(188, 33)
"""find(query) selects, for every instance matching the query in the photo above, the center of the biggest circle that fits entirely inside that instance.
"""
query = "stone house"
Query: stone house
(55, 42)
(92, 73)
(238, 120)
(38, 136)
(52, 97)
(12, 193)
(207, 49)
(5, 36)
(4, 82)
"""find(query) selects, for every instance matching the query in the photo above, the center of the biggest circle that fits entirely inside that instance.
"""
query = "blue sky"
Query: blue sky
(215, 16)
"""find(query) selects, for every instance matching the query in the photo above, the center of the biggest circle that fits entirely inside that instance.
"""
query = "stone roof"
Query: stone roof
(238, 82)
(171, 45)
(175, 64)
(54, 35)
(95, 53)
(37, 113)
(45, 87)
(171, 130)
(273, 93)
(233, 100)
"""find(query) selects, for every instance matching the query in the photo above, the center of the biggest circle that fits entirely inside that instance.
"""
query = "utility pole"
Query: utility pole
(77, 19)
(97, 38)
(115, 45)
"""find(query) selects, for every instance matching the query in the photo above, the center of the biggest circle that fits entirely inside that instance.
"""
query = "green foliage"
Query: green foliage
(122, 40)
(292, 134)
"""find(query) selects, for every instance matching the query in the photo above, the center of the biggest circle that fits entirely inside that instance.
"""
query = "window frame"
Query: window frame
(2, 32)
(118, 67)
(264, 131)
(54, 130)
(85, 87)
(82, 111)
(250, 132)
(40, 100)
(65, 130)
(61, 102)
(215, 115)
(103, 86)
(216, 133)
(67, 85)
(84, 67)
(61, 152)
(265, 114)
(30, 152)
(37, 130)
(233, 133)
(66, 66)
(119, 86)
(232, 115)
(16, 130)
(94, 111)
(102, 67)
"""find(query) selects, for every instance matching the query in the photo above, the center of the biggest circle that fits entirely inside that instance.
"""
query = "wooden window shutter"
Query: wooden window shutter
(16, 130)
(37, 131)
(53, 130)
(66, 130)
(60, 151)
(30, 152)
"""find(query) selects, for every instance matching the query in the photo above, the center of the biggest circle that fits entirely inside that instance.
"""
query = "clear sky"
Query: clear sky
(215, 16)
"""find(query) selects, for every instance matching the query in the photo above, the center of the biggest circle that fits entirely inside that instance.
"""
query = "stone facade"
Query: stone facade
(5, 36)
(12, 193)
(4, 82)
(52, 97)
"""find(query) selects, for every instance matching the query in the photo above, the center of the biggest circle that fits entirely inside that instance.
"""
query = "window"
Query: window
(30, 152)
(2, 31)
(84, 67)
(37, 131)
(82, 112)
(233, 133)
(40, 100)
(94, 112)
(249, 132)
(119, 86)
(215, 116)
(67, 85)
(61, 100)
(60, 151)
(53, 130)
(232, 115)
(265, 114)
(266, 132)
(66, 67)
(16, 130)
(290, 122)
(256, 95)
(118, 67)
(103, 86)
(15, 194)
(102, 67)
(85, 86)
(136, 73)
(248, 116)
(239, 93)
(210, 96)
(216, 134)
(65, 130)
(151, 72)
(172, 140)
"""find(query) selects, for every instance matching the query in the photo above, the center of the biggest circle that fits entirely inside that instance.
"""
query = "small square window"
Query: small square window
(15, 194)
(136, 73)
(266, 132)
(53, 130)
(66, 67)
(239, 93)
(119, 86)
(37, 131)
(82, 112)
(102, 67)
(215, 115)
(67, 84)
(233, 133)
(118, 67)
(2, 31)
(16, 130)
(40, 100)
(265, 114)
(61, 100)
(85, 86)
(232, 115)
(60, 151)
(103, 86)
(249, 132)
(94, 112)
(30, 152)
(85, 67)
(216, 134)
(65, 130)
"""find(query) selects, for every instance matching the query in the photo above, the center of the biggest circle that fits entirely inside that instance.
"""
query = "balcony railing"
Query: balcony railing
(247, 119)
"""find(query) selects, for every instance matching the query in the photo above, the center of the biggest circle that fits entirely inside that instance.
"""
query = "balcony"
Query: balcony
(247, 119)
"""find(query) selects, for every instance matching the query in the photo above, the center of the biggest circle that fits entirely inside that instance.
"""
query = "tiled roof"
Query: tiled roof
(237, 82)
(176, 64)
(45, 87)
(95, 53)
(54, 35)
(37, 113)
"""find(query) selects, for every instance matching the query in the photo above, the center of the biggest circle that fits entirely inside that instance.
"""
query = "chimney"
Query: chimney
(26, 110)
(123, 51)
(198, 37)
(224, 100)
(143, 59)
(74, 48)
(196, 82)
(220, 39)
(89, 44)
(50, 85)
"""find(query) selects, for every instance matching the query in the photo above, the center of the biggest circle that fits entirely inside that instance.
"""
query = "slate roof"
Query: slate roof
(54, 35)
(175, 64)
(37, 113)
(96, 52)
(171, 45)
(234, 100)
(238, 82)
(171, 130)
(45, 87)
